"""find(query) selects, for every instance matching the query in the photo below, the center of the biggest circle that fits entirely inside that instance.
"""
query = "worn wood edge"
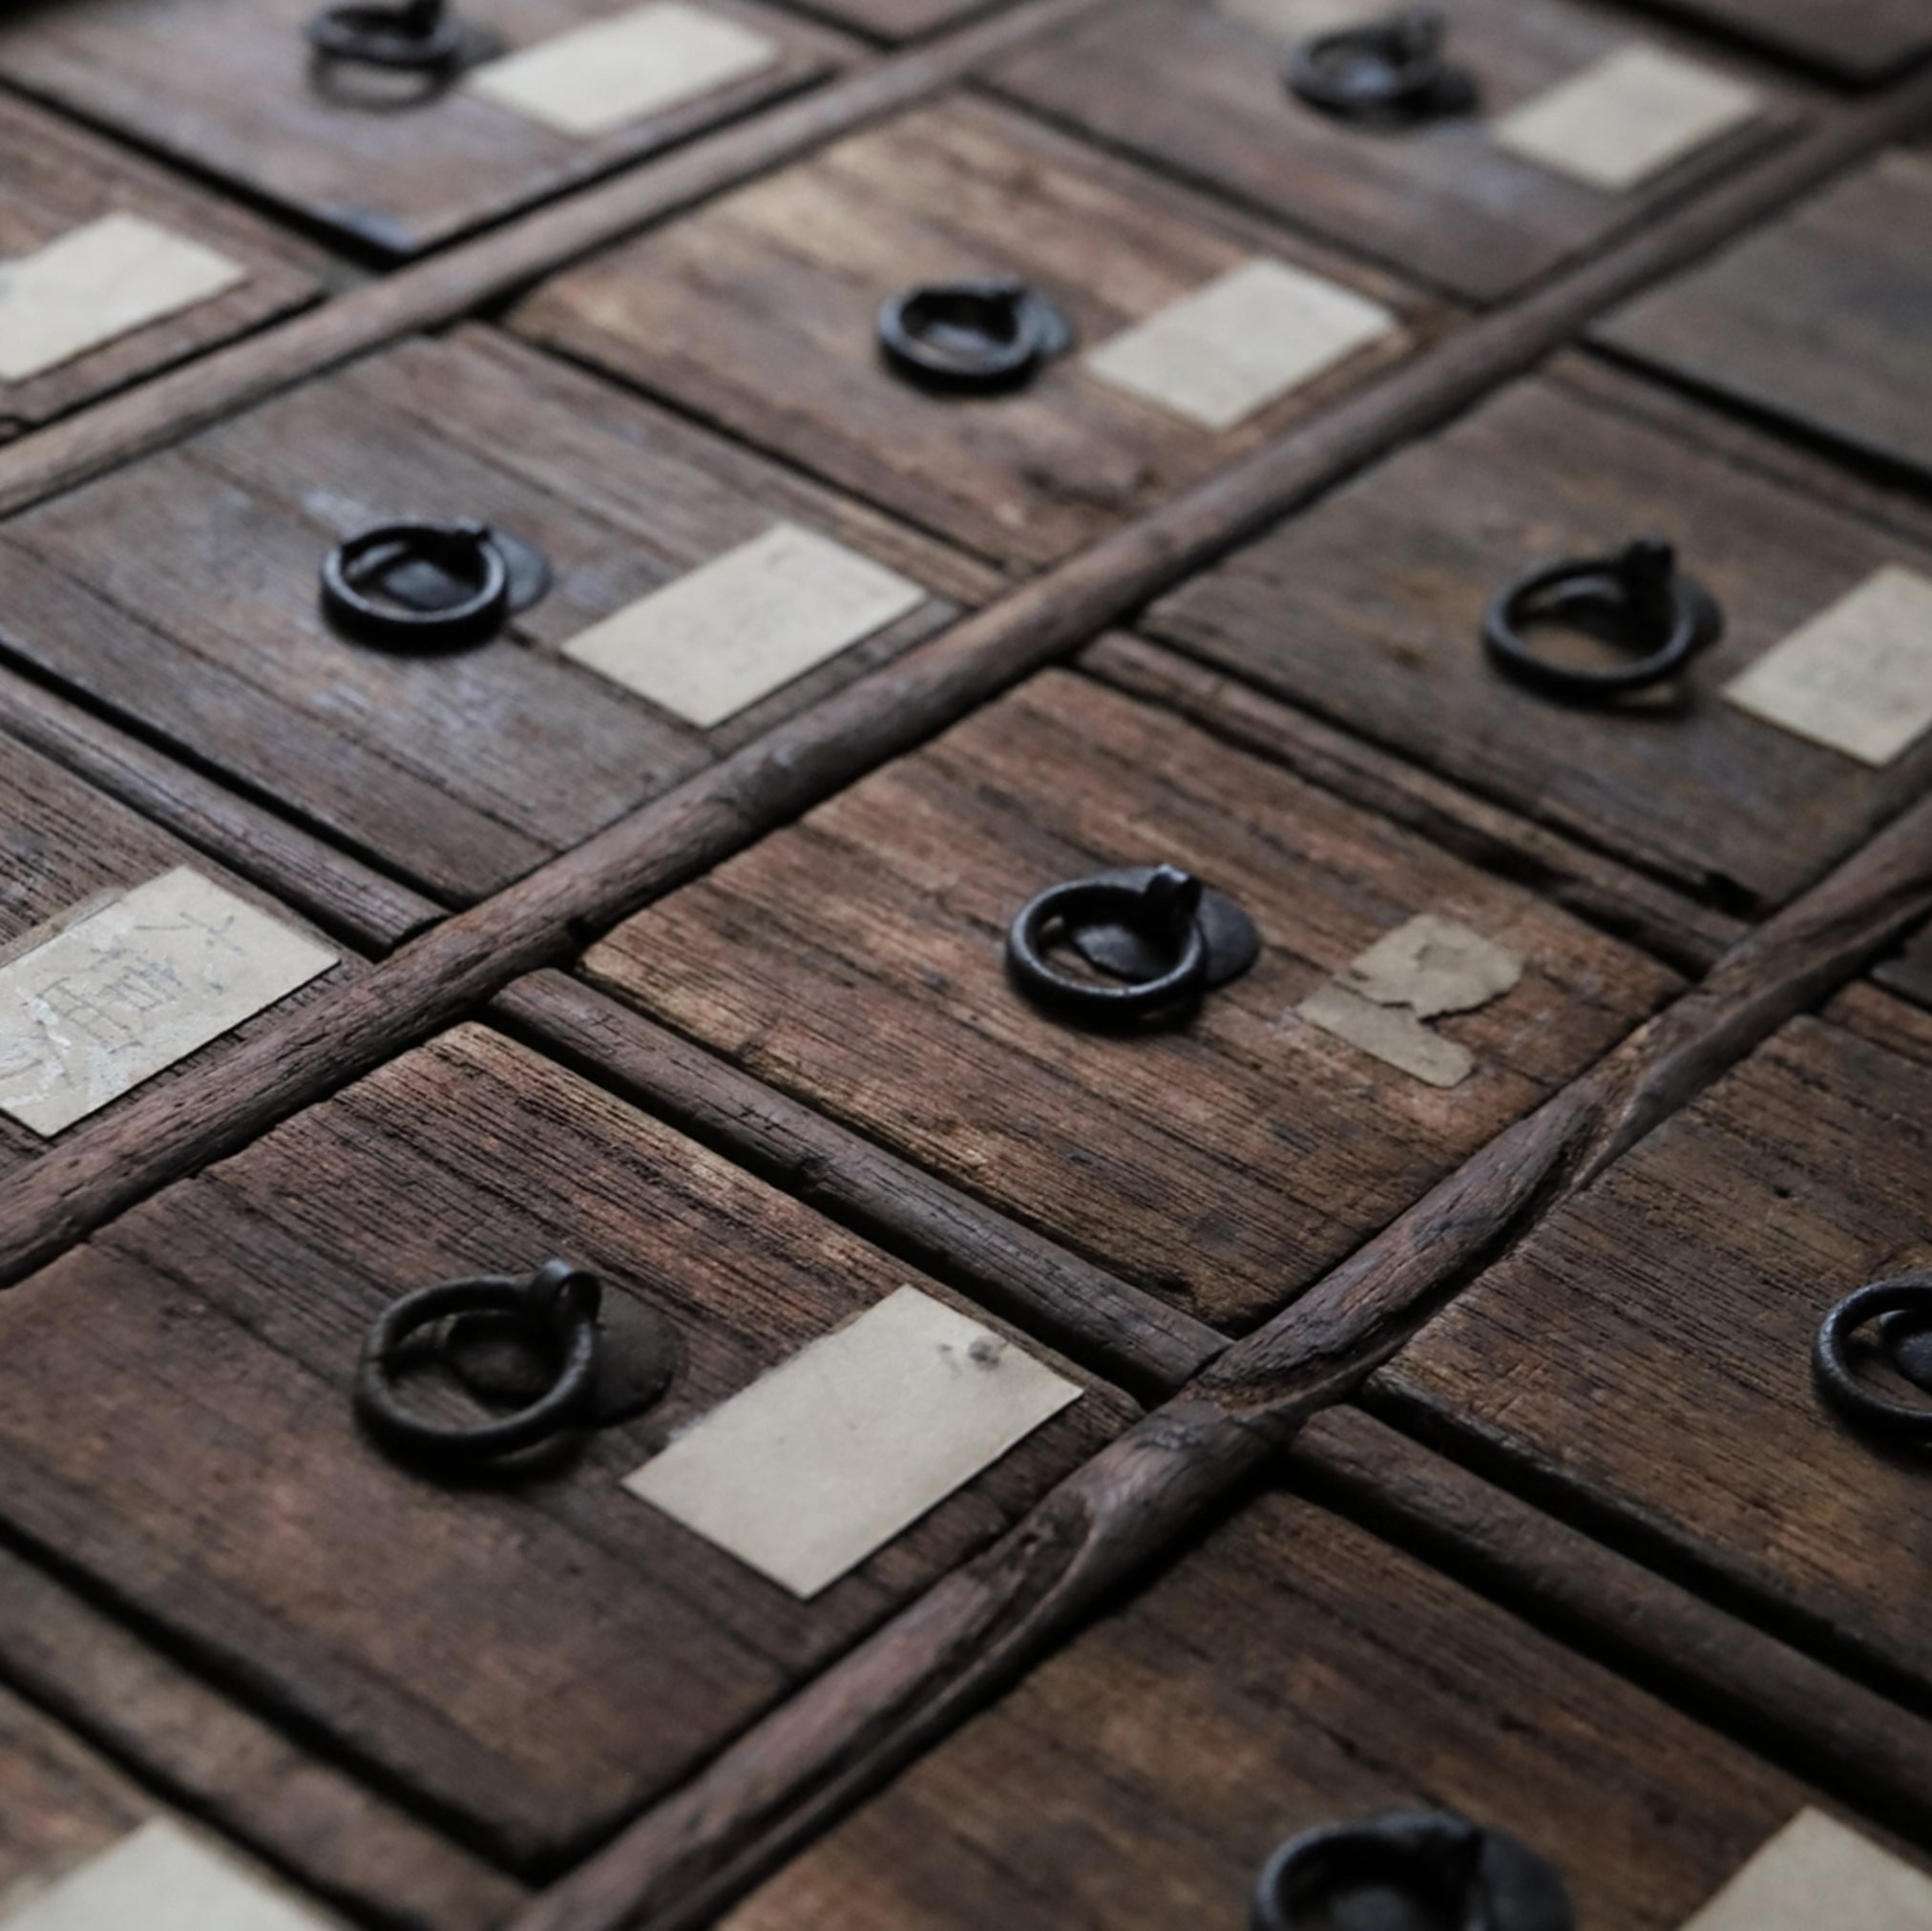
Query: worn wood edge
(1105, 1324)
(790, 1776)
(473, 274)
(1777, 1701)
(1612, 897)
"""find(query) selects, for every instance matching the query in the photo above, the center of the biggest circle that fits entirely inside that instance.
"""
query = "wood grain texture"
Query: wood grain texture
(757, 311)
(459, 771)
(1818, 319)
(854, 962)
(531, 1661)
(231, 91)
(1369, 611)
(1199, 91)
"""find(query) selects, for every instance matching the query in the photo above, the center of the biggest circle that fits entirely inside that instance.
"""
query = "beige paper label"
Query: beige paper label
(746, 624)
(825, 1461)
(127, 991)
(1857, 677)
(1628, 118)
(598, 77)
(162, 1878)
(97, 284)
(1246, 339)
(1816, 1875)
(1421, 971)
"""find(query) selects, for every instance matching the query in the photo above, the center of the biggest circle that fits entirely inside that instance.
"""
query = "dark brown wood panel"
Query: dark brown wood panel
(1647, 1354)
(1369, 611)
(757, 311)
(1820, 319)
(903, 19)
(181, 595)
(855, 962)
(230, 90)
(1292, 1672)
(1862, 39)
(536, 1659)
(1199, 91)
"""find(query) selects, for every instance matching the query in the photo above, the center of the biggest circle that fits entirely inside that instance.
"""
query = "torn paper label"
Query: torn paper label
(1857, 677)
(845, 1446)
(163, 1879)
(97, 284)
(1423, 970)
(1635, 114)
(597, 77)
(1244, 341)
(1815, 1874)
(114, 998)
(746, 624)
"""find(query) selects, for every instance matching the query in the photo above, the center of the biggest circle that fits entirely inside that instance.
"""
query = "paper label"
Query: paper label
(97, 284)
(1628, 118)
(1817, 1873)
(1246, 339)
(1857, 677)
(825, 1461)
(746, 624)
(598, 77)
(1421, 971)
(130, 989)
(162, 1878)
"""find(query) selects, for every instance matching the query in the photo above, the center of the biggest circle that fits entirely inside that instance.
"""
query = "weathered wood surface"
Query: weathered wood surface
(901, 19)
(1369, 611)
(532, 1662)
(855, 962)
(785, 1779)
(181, 593)
(757, 311)
(230, 90)
(1636, 1357)
(1818, 320)
(1198, 90)
(61, 1802)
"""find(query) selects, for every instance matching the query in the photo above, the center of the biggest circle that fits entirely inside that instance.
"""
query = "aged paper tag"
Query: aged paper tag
(746, 623)
(1857, 677)
(97, 284)
(1244, 340)
(825, 1461)
(1815, 1874)
(162, 1878)
(1421, 971)
(1636, 113)
(125, 992)
(595, 77)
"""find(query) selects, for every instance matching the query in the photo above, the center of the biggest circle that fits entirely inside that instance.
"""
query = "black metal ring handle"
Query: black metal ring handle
(1385, 69)
(1168, 903)
(560, 1304)
(1641, 584)
(412, 36)
(1848, 1391)
(971, 335)
(467, 551)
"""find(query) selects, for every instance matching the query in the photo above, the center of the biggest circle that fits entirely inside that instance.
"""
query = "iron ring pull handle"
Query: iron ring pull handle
(1854, 1396)
(1385, 69)
(559, 1302)
(971, 335)
(1641, 584)
(468, 550)
(1167, 905)
(1457, 1871)
(414, 36)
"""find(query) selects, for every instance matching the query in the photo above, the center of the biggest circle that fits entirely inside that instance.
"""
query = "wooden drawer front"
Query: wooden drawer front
(1862, 39)
(759, 311)
(183, 593)
(1369, 610)
(856, 963)
(1198, 87)
(230, 90)
(1820, 318)
(1290, 1673)
(537, 1658)
(1649, 1349)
